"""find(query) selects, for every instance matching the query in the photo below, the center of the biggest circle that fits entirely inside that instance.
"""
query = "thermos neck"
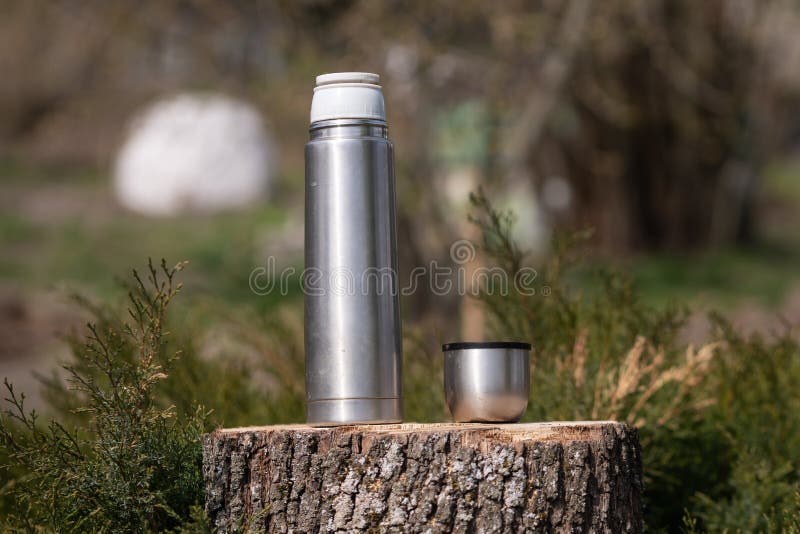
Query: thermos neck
(342, 128)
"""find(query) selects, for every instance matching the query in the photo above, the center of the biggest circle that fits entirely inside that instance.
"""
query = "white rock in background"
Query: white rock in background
(192, 152)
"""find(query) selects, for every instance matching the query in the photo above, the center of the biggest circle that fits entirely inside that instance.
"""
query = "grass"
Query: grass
(85, 249)
(723, 277)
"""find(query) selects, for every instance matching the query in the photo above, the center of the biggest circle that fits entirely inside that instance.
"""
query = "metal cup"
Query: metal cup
(487, 381)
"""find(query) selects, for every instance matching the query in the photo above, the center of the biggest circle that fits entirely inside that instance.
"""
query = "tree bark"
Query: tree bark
(538, 477)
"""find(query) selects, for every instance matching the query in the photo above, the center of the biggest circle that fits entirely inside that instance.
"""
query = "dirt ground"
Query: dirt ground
(32, 330)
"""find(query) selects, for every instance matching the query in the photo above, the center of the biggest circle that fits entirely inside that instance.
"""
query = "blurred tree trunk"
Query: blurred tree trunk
(662, 156)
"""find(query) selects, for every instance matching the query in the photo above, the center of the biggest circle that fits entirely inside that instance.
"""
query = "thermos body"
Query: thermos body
(352, 323)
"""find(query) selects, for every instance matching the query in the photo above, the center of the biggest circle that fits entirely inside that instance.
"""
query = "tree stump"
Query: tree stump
(548, 477)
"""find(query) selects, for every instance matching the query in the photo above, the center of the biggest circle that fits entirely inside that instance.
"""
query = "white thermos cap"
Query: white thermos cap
(347, 95)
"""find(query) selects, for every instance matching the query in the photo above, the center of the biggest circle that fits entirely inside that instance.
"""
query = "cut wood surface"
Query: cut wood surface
(537, 477)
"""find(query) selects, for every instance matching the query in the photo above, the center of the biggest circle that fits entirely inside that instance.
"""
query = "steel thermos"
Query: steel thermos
(352, 322)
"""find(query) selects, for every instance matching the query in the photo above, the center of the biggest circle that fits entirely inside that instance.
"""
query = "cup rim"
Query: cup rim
(466, 345)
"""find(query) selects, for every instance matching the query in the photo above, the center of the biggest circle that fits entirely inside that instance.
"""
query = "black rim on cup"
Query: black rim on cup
(466, 345)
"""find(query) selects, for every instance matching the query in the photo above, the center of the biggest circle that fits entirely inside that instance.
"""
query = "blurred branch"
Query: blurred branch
(526, 129)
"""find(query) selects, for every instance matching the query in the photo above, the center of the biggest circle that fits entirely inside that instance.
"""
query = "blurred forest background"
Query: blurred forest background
(669, 128)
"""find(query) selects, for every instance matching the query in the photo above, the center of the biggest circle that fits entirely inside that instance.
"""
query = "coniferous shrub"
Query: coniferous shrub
(600, 353)
(718, 423)
(757, 402)
(121, 451)
(125, 462)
